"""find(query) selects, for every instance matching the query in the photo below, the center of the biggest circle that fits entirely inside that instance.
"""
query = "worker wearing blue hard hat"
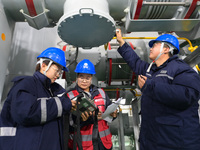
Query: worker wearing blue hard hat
(169, 39)
(91, 123)
(56, 55)
(170, 94)
(85, 66)
(31, 116)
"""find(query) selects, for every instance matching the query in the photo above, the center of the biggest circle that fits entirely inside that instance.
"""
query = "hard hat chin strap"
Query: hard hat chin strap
(41, 61)
(171, 49)
(161, 48)
(162, 45)
(150, 66)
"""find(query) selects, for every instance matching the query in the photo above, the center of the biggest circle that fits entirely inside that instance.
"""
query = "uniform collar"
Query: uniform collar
(44, 79)
(93, 90)
(154, 67)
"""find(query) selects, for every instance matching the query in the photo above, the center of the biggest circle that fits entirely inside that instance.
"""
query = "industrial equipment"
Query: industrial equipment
(86, 30)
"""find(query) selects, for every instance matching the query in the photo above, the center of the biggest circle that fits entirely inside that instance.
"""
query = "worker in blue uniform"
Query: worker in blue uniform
(170, 94)
(31, 117)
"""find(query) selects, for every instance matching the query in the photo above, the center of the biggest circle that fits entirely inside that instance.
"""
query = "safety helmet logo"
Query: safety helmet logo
(85, 65)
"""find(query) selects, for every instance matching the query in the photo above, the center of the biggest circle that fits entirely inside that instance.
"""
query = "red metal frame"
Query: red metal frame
(110, 66)
(117, 93)
(138, 9)
(191, 9)
(31, 8)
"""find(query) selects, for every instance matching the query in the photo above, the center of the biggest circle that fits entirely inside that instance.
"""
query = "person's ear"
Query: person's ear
(43, 67)
(166, 50)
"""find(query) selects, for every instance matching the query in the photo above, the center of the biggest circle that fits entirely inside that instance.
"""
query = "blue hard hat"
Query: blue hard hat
(85, 66)
(56, 55)
(168, 38)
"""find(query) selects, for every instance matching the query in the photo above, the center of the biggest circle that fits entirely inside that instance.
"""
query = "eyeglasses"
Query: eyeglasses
(82, 79)
(58, 71)
(156, 44)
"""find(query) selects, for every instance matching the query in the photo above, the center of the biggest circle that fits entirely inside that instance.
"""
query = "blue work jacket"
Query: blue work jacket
(31, 118)
(169, 103)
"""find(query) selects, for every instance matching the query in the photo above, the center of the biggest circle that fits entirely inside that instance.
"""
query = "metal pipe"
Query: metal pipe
(110, 71)
(166, 3)
(121, 131)
(136, 121)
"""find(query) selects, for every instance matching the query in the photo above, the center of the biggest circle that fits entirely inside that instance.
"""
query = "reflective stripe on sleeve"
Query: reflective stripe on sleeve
(104, 133)
(43, 109)
(8, 131)
(71, 95)
(148, 74)
(103, 95)
(59, 106)
(164, 75)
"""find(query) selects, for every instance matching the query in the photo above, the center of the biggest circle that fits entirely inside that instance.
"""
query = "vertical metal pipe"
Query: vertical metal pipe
(121, 131)
(136, 121)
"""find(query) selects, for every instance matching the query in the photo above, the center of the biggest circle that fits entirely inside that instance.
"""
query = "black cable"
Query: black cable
(95, 132)
(77, 133)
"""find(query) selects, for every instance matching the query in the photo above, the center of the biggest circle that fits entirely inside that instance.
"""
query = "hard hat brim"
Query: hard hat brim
(152, 42)
(65, 69)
